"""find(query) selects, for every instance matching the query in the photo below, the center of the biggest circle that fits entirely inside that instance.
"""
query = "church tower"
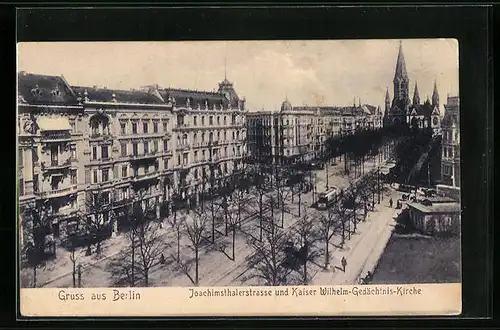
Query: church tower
(435, 96)
(416, 96)
(387, 101)
(401, 82)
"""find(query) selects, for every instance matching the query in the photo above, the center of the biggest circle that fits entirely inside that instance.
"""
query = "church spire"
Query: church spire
(416, 96)
(435, 95)
(387, 100)
(401, 65)
(401, 81)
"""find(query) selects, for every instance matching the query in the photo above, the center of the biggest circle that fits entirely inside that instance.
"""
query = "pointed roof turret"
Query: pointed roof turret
(401, 65)
(387, 96)
(416, 95)
(435, 95)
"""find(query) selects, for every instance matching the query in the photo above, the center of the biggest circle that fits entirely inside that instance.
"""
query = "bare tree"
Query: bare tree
(195, 227)
(177, 224)
(96, 219)
(267, 261)
(150, 247)
(74, 259)
(36, 220)
(307, 235)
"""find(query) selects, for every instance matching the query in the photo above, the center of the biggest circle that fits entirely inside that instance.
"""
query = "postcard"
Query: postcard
(239, 178)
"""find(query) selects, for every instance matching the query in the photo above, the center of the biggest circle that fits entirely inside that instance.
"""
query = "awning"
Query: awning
(53, 124)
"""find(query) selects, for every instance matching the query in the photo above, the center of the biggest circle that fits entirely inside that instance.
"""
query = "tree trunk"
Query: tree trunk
(234, 234)
(327, 252)
(146, 277)
(196, 265)
(132, 271)
(178, 244)
(34, 275)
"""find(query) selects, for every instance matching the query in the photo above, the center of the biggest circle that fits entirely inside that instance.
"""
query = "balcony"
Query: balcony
(182, 147)
(179, 127)
(54, 193)
(145, 177)
(56, 137)
(122, 202)
(54, 165)
(149, 155)
(100, 137)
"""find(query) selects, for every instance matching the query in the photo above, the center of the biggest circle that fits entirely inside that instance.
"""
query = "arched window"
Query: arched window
(195, 136)
(184, 139)
(202, 137)
(99, 125)
(210, 137)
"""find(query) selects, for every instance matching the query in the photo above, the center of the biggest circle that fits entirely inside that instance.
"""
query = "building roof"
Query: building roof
(448, 207)
(111, 95)
(181, 96)
(425, 109)
(401, 65)
(43, 89)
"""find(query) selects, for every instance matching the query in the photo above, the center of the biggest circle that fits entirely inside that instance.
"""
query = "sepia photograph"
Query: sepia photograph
(238, 168)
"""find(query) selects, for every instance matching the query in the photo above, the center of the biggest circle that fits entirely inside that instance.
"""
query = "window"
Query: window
(123, 127)
(233, 135)
(35, 183)
(105, 175)
(155, 127)
(195, 137)
(87, 176)
(203, 155)
(225, 136)
(144, 127)
(155, 146)
(196, 173)
(21, 187)
(218, 120)
(210, 137)
(178, 159)
(185, 158)
(135, 149)
(124, 149)
(157, 166)
(165, 127)
(21, 163)
(211, 120)
(134, 128)
(202, 137)
(237, 135)
(146, 169)
(165, 145)
(195, 120)
(146, 147)
(225, 120)
(184, 139)
(218, 136)
(124, 171)
(104, 152)
(73, 177)
(225, 151)
(73, 153)
(95, 176)
(165, 164)
(202, 120)
(225, 167)
(136, 172)
(196, 155)
(238, 151)
(180, 120)
(94, 153)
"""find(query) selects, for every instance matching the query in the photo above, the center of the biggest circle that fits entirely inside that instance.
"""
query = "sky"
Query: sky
(313, 73)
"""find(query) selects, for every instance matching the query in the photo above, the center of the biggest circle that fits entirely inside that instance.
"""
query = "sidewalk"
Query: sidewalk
(361, 251)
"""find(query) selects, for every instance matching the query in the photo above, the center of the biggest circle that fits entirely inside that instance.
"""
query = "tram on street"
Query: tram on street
(327, 198)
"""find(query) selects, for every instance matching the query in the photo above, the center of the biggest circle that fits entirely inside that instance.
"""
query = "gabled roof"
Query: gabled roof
(120, 96)
(422, 109)
(42, 89)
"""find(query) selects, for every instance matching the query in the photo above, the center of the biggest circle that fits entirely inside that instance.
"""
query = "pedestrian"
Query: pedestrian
(390, 202)
(162, 259)
(344, 263)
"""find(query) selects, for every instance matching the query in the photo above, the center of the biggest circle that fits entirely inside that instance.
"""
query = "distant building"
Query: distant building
(450, 143)
(402, 110)
(300, 133)
(436, 215)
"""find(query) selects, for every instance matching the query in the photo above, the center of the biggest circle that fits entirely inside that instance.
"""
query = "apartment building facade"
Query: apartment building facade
(301, 132)
(147, 144)
(450, 143)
